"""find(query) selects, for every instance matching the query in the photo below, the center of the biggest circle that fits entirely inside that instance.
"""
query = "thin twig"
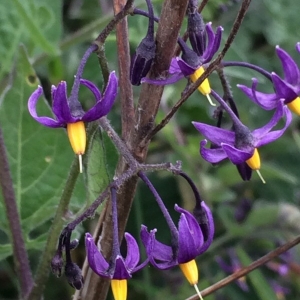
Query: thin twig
(193, 87)
(19, 251)
(244, 271)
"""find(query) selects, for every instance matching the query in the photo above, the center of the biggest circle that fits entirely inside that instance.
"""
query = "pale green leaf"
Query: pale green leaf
(39, 156)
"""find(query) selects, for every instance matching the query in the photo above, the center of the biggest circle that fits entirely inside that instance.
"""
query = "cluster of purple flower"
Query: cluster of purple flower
(239, 144)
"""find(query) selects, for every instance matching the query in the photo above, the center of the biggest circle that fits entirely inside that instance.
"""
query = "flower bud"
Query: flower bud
(74, 276)
(197, 32)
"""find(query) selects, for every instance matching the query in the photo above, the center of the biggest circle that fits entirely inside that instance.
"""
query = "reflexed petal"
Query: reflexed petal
(102, 108)
(32, 102)
(215, 134)
(208, 229)
(261, 132)
(95, 258)
(290, 68)
(190, 237)
(186, 69)
(266, 101)
(237, 156)
(157, 251)
(283, 89)
(60, 104)
(212, 155)
(298, 47)
(94, 89)
(133, 252)
(53, 90)
(274, 135)
(121, 271)
(214, 45)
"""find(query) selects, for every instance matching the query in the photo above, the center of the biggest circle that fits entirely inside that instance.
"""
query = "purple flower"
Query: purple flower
(191, 65)
(287, 88)
(117, 268)
(240, 145)
(234, 266)
(69, 110)
(191, 240)
(120, 268)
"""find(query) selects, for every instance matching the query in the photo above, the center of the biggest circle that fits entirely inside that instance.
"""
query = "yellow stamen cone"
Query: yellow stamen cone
(294, 106)
(190, 271)
(119, 289)
(204, 87)
(77, 136)
(254, 163)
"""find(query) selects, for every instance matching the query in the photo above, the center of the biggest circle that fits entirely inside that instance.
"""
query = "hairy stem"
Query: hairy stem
(18, 245)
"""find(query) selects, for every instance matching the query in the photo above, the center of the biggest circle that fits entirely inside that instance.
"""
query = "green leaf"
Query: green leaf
(39, 156)
(101, 164)
(256, 277)
(34, 29)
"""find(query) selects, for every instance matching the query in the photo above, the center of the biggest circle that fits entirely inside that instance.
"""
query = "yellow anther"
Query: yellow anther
(294, 106)
(77, 136)
(254, 163)
(190, 271)
(119, 289)
(204, 87)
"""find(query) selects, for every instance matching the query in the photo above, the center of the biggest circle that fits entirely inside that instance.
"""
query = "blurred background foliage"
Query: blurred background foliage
(54, 35)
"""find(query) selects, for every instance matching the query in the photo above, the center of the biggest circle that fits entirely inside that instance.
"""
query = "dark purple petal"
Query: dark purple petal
(185, 68)
(190, 237)
(93, 88)
(259, 133)
(32, 102)
(133, 252)
(245, 171)
(212, 155)
(237, 156)
(290, 68)
(274, 135)
(95, 258)
(60, 104)
(266, 101)
(215, 134)
(121, 271)
(102, 108)
(283, 89)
